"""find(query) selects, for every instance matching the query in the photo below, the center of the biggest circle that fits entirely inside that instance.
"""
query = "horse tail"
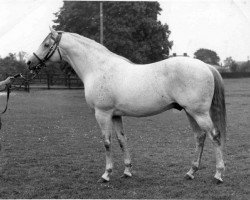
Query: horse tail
(218, 106)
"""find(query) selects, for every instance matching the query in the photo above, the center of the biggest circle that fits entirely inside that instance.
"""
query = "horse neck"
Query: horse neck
(85, 59)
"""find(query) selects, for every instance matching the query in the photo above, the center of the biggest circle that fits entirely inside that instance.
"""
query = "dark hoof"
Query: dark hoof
(125, 176)
(218, 181)
(102, 180)
(189, 177)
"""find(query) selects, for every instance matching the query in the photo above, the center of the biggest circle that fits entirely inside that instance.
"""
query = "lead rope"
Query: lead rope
(8, 88)
(8, 96)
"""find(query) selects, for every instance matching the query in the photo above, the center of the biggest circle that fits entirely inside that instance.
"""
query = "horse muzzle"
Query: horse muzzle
(35, 68)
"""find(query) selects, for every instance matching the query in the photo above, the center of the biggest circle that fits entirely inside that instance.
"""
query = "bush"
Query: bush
(11, 66)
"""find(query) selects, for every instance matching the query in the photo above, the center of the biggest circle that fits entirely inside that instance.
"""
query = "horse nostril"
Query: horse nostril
(29, 62)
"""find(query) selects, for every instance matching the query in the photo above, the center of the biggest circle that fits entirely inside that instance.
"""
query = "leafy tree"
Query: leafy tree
(228, 61)
(131, 29)
(245, 66)
(10, 65)
(79, 17)
(231, 64)
(21, 56)
(207, 56)
(58, 68)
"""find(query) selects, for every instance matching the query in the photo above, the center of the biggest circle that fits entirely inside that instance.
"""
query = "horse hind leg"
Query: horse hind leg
(205, 123)
(218, 148)
(200, 137)
(122, 139)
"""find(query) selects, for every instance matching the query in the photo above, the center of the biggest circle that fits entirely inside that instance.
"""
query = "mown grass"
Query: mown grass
(52, 148)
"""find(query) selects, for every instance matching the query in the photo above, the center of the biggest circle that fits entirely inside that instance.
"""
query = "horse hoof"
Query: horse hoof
(189, 177)
(218, 181)
(126, 176)
(102, 180)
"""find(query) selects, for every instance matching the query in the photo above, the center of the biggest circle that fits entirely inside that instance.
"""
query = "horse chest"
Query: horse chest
(98, 94)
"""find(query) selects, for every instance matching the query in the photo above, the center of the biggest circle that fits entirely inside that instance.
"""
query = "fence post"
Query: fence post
(69, 81)
(26, 83)
(48, 81)
(27, 86)
(65, 79)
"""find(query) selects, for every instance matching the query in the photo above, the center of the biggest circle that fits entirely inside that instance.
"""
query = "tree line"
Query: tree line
(211, 57)
(11, 64)
(131, 29)
(14, 63)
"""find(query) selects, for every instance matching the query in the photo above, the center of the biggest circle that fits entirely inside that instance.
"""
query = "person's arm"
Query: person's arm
(6, 81)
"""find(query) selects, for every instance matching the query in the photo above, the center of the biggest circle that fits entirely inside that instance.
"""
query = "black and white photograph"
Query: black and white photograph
(125, 99)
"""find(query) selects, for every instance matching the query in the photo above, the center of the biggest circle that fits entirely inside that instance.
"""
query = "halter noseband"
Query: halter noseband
(52, 49)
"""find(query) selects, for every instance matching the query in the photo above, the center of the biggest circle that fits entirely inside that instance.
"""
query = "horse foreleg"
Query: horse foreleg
(122, 139)
(105, 122)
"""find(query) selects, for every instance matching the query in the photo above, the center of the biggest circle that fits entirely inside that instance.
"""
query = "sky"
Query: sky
(220, 25)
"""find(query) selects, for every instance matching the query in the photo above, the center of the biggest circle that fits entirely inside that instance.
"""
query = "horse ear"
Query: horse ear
(53, 32)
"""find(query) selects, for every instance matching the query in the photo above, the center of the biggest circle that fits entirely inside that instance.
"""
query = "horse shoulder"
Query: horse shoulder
(98, 92)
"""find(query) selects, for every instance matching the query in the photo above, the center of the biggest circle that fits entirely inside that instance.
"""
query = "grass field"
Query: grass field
(52, 148)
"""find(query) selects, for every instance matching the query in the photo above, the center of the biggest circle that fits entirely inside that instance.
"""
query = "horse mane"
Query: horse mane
(97, 46)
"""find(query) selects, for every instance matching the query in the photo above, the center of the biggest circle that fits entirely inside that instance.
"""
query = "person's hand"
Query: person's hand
(9, 80)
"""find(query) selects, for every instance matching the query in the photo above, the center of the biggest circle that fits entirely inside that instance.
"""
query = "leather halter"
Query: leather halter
(52, 49)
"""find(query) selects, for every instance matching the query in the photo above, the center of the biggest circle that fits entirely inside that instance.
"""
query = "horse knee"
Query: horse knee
(107, 144)
(216, 137)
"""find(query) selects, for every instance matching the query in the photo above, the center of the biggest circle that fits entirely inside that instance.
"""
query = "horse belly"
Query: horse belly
(140, 102)
(141, 110)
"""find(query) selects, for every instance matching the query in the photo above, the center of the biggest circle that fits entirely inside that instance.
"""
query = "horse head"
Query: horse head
(48, 51)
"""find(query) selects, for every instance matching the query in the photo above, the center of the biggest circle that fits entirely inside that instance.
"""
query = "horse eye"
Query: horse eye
(46, 45)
